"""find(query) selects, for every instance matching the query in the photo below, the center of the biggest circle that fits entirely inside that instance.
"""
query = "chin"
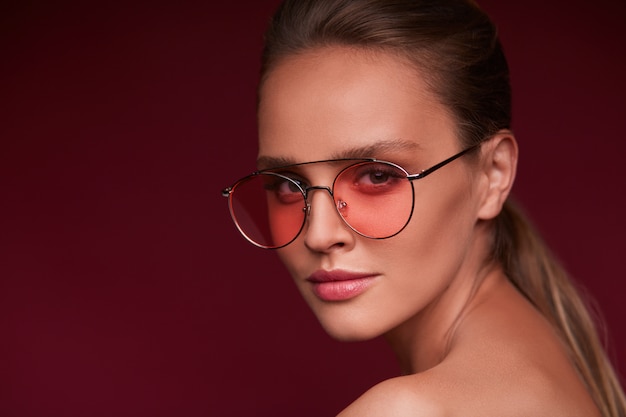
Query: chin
(346, 332)
(346, 321)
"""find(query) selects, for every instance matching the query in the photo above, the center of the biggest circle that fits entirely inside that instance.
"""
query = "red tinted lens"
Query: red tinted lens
(374, 198)
(269, 209)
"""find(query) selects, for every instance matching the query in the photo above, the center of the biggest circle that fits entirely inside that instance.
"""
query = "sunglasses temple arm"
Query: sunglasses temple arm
(441, 164)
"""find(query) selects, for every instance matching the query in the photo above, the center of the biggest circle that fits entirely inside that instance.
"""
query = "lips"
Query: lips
(339, 285)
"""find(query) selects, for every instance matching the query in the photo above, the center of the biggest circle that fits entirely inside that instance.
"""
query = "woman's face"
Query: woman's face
(339, 102)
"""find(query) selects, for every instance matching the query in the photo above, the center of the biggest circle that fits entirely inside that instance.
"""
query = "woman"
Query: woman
(385, 163)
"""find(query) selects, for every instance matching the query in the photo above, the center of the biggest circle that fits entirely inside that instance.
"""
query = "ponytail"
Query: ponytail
(536, 273)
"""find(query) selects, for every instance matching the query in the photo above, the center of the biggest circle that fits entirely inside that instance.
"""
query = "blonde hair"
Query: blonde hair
(456, 47)
(534, 270)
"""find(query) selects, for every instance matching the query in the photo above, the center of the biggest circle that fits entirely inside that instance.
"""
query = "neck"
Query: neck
(425, 340)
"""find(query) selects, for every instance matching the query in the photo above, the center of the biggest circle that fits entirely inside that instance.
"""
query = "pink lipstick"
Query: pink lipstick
(339, 285)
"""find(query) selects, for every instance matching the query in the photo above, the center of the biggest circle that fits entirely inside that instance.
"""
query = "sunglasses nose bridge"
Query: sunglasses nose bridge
(308, 192)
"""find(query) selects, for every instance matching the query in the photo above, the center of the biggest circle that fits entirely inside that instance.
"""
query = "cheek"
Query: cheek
(284, 221)
(440, 229)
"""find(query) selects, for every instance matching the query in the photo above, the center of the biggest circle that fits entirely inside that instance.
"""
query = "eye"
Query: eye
(372, 178)
(378, 177)
(284, 189)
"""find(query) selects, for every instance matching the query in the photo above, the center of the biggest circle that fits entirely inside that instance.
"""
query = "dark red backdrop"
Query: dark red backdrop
(124, 289)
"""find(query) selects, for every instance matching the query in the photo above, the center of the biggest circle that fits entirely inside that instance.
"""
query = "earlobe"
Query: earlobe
(499, 165)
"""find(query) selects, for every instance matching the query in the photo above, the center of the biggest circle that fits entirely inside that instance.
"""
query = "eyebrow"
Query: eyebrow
(363, 152)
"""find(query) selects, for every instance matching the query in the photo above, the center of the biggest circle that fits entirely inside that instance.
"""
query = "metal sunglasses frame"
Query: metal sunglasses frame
(228, 191)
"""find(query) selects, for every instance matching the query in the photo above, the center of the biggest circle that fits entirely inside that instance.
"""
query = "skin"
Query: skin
(467, 342)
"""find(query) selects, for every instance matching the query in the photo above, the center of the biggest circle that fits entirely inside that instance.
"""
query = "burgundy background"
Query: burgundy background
(124, 288)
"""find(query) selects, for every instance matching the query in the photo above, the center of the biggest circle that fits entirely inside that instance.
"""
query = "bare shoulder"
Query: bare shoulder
(505, 360)
(475, 388)
(405, 396)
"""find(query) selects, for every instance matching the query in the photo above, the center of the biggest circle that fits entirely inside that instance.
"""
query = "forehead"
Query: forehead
(337, 102)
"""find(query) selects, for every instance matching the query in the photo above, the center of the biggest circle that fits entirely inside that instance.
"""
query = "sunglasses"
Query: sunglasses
(374, 198)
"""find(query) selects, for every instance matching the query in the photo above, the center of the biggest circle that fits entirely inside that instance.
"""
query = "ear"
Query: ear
(499, 165)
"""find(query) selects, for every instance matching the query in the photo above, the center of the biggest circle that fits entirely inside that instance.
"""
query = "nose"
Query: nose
(325, 229)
